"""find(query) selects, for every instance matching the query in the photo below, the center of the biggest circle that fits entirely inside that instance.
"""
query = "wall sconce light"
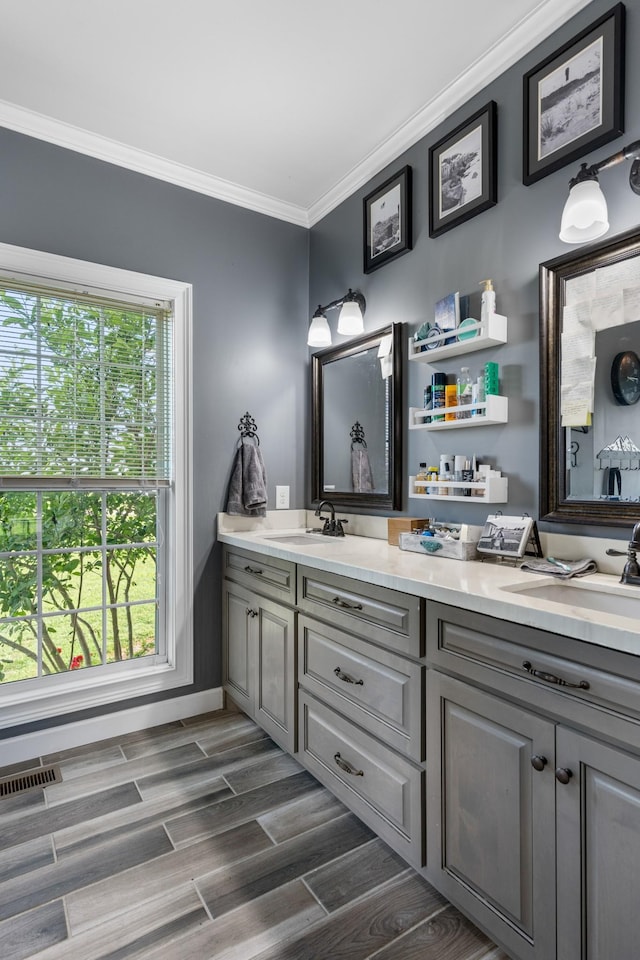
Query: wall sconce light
(350, 321)
(585, 214)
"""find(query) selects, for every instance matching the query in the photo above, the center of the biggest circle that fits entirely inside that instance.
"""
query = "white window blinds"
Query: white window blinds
(85, 387)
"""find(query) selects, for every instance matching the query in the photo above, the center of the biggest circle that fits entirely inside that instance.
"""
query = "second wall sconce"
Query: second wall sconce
(350, 321)
(585, 215)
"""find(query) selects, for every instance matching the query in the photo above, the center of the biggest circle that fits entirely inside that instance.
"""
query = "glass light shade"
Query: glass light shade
(350, 321)
(585, 214)
(319, 332)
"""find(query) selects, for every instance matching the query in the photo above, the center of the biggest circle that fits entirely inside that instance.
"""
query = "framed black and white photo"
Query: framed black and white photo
(505, 536)
(463, 176)
(574, 100)
(387, 221)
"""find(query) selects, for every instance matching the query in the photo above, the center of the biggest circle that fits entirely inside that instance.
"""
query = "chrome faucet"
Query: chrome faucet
(631, 571)
(332, 527)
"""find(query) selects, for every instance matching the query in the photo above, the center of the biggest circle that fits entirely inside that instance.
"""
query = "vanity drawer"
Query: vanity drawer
(380, 691)
(269, 576)
(379, 614)
(381, 787)
(463, 642)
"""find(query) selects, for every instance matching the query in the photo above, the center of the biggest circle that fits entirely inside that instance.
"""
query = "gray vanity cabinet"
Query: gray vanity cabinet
(259, 654)
(491, 812)
(598, 844)
(533, 786)
(361, 701)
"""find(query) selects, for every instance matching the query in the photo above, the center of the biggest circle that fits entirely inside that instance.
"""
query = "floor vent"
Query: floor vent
(30, 780)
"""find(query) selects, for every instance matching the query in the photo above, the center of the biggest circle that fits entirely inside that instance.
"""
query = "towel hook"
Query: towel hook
(248, 427)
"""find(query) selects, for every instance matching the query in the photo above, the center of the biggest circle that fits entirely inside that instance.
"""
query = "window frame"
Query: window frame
(45, 697)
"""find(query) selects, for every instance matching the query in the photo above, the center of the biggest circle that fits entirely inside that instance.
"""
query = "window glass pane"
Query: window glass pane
(18, 650)
(71, 519)
(131, 517)
(17, 522)
(131, 575)
(71, 581)
(131, 632)
(18, 586)
(72, 641)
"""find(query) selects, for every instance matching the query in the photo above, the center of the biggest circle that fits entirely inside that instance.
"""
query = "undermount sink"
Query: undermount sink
(315, 539)
(591, 596)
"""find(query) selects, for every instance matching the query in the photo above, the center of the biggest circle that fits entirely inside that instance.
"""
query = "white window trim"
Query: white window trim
(21, 702)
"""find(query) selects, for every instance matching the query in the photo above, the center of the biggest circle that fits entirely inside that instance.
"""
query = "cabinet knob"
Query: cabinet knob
(563, 775)
(255, 570)
(538, 762)
(251, 613)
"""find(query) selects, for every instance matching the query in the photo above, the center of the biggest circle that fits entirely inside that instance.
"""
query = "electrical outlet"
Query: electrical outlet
(282, 498)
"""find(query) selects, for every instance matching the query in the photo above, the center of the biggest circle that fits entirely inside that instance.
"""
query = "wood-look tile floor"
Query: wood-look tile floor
(202, 839)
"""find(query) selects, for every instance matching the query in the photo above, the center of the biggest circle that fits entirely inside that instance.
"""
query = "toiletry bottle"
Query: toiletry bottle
(428, 401)
(433, 476)
(465, 389)
(478, 396)
(488, 302)
(491, 383)
(438, 382)
(450, 399)
(420, 476)
(446, 461)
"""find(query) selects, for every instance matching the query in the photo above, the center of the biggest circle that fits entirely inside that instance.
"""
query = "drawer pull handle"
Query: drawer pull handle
(538, 763)
(551, 677)
(347, 766)
(346, 678)
(339, 602)
(254, 570)
(251, 613)
(563, 775)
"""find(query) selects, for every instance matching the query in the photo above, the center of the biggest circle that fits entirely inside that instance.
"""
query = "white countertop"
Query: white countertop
(484, 587)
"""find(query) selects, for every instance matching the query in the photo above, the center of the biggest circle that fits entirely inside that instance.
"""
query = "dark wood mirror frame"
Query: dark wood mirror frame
(393, 499)
(553, 275)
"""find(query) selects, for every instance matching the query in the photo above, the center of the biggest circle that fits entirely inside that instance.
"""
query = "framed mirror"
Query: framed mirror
(589, 388)
(356, 443)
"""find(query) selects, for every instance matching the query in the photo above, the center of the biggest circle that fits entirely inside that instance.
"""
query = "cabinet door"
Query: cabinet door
(490, 814)
(275, 671)
(238, 611)
(598, 850)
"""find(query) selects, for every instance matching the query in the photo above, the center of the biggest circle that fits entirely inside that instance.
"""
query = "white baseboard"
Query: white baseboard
(65, 736)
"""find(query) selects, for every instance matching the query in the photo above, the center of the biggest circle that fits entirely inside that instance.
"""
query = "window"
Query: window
(95, 566)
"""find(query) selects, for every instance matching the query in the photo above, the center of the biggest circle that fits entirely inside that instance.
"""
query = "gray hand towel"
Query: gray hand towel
(361, 474)
(562, 569)
(247, 492)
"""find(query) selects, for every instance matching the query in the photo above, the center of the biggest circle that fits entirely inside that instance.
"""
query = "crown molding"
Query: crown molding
(112, 151)
(541, 23)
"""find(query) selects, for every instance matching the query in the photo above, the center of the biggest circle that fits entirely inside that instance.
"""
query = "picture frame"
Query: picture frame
(574, 98)
(388, 221)
(505, 536)
(463, 174)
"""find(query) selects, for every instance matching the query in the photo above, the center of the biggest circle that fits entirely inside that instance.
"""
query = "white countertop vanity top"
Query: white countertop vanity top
(484, 587)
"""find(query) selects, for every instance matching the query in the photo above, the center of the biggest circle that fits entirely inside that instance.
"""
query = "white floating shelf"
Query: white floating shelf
(494, 490)
(491, 333)
(493, 410)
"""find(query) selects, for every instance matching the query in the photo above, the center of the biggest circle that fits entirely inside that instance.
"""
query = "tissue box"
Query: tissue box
(463, 549)
(398, 525)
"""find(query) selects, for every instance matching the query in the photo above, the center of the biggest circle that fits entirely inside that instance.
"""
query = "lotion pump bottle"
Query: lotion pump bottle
(488, 303)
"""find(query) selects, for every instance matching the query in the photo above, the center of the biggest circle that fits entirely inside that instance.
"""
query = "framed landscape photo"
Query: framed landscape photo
(463, 174)
(574, 100)
(388, 221)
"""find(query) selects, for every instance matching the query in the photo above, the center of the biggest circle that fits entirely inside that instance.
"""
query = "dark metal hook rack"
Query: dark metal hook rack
(357, 434)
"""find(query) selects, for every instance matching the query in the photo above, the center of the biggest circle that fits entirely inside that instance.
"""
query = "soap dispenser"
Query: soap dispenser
(488, 302)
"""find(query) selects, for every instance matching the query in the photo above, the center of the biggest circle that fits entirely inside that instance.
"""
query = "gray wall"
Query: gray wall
(250, 287)
(506, 243)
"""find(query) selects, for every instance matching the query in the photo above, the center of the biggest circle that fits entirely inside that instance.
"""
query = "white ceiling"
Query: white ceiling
(283, 106)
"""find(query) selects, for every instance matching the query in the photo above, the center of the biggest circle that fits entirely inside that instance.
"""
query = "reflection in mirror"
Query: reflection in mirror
(357, 421)
(590, 384)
